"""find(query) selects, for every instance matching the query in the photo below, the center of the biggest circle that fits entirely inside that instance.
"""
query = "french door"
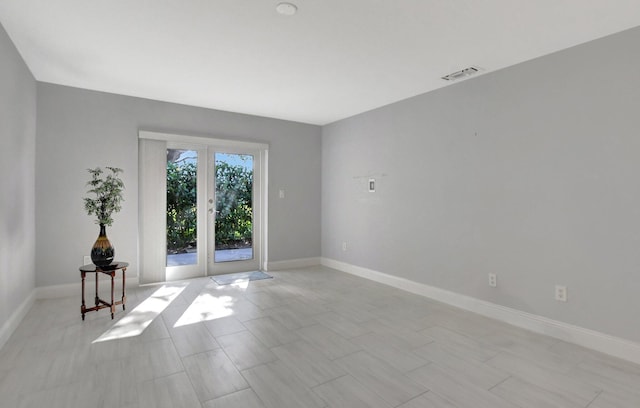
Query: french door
(214, 212)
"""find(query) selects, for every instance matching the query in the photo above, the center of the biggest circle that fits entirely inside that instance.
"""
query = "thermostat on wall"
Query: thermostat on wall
(372, 185)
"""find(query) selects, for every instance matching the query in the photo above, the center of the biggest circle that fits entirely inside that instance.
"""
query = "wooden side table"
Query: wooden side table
(107, 270)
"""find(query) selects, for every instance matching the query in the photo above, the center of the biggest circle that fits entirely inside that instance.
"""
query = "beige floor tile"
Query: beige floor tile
(336, 333)
(472, 371)
(155, 331)
(429, 400)
(213, 375)
(244, 310)
(173, 313)
(117, 382)
(267, 300)
(461, 393)
(155, 359)
(608, 399)
(71, 395)
(290, 318)
(527, 395)
(28, 375)
(389, 383)
(354, 311)
(384, 348)
(624, 374)
(67, 367)
(224, 326)
(330, 343)
(567, 386)
(106, 351)
(245, 350)
(346, 392)
(278, 387)
(460, 344)
(341, 325)
(306, 305)
(548, 358)
(168, 392)
(270, 332)
(241, 399)
(398, 333)
(192, 339)
(308, 363)
(517, 341)
(610, 385)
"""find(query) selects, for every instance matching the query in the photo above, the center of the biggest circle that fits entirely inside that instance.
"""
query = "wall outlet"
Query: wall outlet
(493, 280)
(561, 293)
(86, 260)
(281, 193)
(344, 246)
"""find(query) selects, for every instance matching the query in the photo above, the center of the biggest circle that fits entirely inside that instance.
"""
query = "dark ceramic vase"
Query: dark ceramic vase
(102, 252)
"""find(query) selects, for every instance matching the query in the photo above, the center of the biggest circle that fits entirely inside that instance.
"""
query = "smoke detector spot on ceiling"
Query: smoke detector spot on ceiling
(463, 73)
(286, 9)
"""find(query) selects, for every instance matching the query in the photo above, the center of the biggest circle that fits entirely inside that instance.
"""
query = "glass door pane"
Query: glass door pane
(182, 206)
(234, 216)
(214, 213)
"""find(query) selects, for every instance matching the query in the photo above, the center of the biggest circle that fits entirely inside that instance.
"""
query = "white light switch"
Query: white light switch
(372, 185)
(281, 194)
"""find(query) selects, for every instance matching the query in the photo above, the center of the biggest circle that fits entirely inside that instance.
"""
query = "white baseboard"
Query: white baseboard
(74, 289)
(614, 346)
(14, 321)
(293, 263)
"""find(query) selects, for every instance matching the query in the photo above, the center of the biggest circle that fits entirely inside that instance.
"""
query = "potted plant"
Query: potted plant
(106, 199)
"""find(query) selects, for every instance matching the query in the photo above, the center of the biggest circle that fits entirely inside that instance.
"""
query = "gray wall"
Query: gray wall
(17, 179)
(78, 129)
(531, 172)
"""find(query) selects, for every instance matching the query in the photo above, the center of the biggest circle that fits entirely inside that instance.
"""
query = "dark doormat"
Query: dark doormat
(240, 277)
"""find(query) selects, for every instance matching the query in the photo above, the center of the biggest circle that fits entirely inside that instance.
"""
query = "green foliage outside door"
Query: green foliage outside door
(234, 209)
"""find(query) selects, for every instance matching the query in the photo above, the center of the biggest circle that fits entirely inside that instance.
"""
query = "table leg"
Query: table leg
(113, 307)
(124, 298)
(83, 308)
(97, 298)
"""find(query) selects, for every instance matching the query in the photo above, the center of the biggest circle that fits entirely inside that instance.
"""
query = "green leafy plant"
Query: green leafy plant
(234, 205)
(107, 188)
(181, 205)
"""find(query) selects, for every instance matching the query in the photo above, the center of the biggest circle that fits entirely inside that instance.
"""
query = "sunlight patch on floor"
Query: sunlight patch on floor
(206, 307)
(136, 321)
(240, 284)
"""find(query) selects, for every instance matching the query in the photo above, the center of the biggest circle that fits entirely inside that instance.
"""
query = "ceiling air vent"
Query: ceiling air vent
(467, 72)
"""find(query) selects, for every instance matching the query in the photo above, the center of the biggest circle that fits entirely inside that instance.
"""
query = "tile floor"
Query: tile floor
(308, 338)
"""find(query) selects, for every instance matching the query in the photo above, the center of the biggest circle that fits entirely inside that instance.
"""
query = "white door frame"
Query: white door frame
(202, 144)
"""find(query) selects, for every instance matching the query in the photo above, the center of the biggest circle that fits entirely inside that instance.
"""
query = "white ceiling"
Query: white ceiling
(333, 59)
